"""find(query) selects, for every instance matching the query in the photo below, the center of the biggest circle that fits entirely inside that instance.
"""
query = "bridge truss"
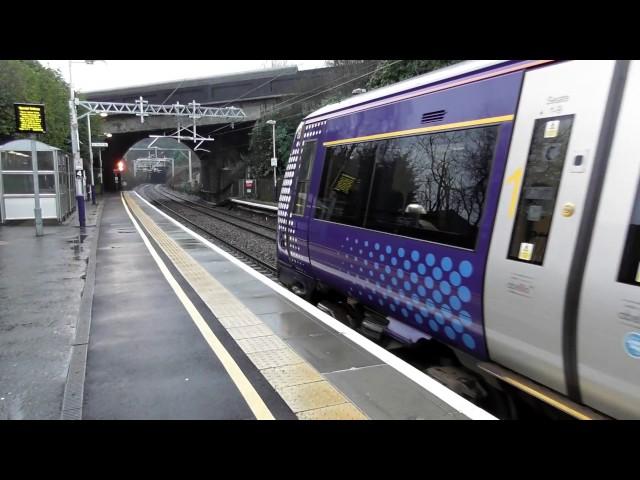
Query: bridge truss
(142, 108)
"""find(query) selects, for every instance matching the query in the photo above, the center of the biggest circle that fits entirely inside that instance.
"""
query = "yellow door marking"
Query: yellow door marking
(516, 179)
(257, 406)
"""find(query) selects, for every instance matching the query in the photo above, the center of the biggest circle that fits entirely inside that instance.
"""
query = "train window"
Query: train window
(344, 188)
(432, 187)
(630, 265)
(540, 188)
(304, 176)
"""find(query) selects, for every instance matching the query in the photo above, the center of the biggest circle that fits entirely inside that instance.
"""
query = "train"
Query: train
(490, 208)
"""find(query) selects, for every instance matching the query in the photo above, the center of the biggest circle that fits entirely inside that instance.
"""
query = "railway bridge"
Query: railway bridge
(255, 92)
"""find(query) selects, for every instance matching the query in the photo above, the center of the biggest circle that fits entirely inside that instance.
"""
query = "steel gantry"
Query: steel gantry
(142, 108)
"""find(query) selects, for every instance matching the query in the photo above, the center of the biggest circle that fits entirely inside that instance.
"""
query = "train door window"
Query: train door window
(540, 189)
(344, 189)
(630, 265)
(304, 176)
(433, 187)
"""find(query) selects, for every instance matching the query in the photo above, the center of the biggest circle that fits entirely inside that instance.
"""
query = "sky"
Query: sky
(108, 74)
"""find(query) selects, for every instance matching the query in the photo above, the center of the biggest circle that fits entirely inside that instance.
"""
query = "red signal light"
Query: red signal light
(120, 166)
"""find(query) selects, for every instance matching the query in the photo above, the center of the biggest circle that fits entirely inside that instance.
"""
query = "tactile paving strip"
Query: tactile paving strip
(302, 387)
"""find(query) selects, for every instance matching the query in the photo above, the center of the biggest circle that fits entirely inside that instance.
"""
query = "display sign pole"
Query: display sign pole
(36, 187)
(93, 183)
(30, 118)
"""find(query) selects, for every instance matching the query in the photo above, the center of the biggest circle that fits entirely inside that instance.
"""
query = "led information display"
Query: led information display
(30, 118)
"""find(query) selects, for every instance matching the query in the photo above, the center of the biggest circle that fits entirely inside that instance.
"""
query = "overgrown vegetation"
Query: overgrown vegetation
(392, 71)
(27, 81)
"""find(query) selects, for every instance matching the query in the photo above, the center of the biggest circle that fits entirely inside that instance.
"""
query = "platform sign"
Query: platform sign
(99, 144)
(30, 118)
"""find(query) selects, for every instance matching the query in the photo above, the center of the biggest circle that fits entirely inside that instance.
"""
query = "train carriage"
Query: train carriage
(491, 206)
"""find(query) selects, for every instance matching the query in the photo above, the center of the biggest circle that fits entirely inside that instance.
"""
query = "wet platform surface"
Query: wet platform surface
(144, 345)
(146, 358)
(41, 280)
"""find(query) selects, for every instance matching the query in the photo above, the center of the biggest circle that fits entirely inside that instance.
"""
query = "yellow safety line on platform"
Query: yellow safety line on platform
(257, 406)
(309, 395)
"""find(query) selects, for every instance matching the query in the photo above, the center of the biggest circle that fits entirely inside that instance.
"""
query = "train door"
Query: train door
(556, 131)
(296, 232)
(608, 349)
(285, 223)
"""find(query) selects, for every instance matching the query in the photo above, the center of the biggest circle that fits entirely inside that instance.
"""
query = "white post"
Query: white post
(36, 188)
(75, 148)
(100, 172)
(93, 183)
(275, 183)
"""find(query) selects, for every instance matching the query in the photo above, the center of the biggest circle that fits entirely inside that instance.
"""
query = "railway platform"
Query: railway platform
(181, 329)
(41, 282)
(269, 206)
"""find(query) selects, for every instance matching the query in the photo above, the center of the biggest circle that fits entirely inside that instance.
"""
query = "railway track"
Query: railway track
(156, 198)
(265, 230)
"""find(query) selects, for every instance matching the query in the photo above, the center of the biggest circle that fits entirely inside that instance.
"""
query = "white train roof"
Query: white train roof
(419, 81)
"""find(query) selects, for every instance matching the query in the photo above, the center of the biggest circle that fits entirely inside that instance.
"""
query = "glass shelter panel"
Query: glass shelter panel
(22, 183)
(21, 161)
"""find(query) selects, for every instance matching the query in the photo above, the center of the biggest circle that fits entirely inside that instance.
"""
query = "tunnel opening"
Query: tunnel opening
(162, 160)
(217, 166)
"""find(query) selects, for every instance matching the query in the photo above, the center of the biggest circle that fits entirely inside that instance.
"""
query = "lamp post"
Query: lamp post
(103, 114)
(274, 160)
(75, 148)
(93, 183)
